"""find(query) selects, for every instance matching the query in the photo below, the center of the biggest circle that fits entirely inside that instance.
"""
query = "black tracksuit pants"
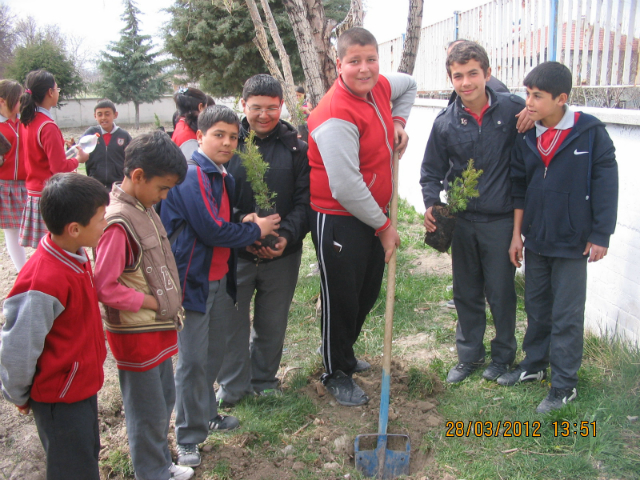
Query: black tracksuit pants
(351, 261)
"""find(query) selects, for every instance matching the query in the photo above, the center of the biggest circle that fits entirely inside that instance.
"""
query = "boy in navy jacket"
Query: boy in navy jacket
(106, 162)
(565, 193)
(53, 348)
(197, 217)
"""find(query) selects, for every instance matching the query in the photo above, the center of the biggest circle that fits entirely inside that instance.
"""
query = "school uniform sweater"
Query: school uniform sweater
(12, 165)
(351, 148)
(52, 342)
(44, 151)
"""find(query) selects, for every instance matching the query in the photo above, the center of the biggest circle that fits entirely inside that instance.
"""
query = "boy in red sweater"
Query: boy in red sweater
(352, 135)
(53, 347)
(137, 282)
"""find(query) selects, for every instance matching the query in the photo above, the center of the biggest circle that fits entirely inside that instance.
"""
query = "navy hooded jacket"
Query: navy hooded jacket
(196, 201)
(575, 199)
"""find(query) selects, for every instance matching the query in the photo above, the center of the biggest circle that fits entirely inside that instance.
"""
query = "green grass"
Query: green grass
(118, 463)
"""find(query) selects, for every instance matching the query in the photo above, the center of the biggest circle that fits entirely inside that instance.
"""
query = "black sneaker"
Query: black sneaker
(494, 370)
(345, 390)
(362, 366)
(556, 399)
(188, 455)
(451, 304)
(463, 370)
(223, 423)
(519, 374)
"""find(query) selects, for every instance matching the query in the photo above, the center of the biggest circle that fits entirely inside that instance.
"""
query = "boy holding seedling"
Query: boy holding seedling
(352, 133)
(479, 125)
(565, 194)
(197, 217)
(254, 349)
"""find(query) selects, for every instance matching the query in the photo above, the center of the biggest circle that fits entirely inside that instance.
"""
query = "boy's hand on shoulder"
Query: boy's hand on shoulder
(429, 220)
(515, 251)
(524, 123)
(268, 225)
(390, 241)
(597, 252)
(400, 139)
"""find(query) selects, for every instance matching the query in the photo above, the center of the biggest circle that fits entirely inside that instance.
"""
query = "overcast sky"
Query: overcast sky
(98, 22)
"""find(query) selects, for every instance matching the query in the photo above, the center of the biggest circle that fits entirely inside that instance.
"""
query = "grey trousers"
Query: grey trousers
(481, 267)
(148, 399)
(201, 350)
(70, 435)
(254, 352)
(554, 298)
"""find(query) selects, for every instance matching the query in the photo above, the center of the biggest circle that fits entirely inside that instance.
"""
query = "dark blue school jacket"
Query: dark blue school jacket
(575, 199)
(195, 201)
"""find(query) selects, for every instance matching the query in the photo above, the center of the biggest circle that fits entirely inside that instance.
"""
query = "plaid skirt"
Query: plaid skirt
(32, 228)
(13, 196)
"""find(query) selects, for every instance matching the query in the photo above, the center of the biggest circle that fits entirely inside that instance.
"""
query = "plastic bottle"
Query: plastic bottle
(87, 143)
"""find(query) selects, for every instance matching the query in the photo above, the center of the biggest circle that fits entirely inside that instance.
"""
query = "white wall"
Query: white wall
(613, 286)
(79, 113)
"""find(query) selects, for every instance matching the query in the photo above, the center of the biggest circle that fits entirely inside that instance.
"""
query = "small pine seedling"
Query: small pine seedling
(256, 169)
(463, 189)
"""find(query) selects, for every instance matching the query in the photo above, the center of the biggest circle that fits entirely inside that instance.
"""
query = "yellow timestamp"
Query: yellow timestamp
(567, 429)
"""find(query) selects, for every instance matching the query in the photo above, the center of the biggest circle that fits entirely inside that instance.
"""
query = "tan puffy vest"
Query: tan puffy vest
(154, 273)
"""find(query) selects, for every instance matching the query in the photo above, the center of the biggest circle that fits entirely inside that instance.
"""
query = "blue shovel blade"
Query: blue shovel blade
(396, 462)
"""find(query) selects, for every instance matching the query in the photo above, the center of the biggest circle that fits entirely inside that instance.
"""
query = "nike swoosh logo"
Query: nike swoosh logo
(576, 152)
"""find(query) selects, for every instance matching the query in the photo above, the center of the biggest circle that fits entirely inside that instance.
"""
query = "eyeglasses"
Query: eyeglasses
(268, 111)
(57, 89)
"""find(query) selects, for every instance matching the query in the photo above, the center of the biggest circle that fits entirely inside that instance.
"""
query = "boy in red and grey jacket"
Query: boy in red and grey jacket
(53, 347)
(352, 133)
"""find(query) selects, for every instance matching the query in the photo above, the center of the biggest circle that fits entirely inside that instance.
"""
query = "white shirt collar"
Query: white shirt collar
(113, 130)
(221, 169)
(567, 122)
(45, 111)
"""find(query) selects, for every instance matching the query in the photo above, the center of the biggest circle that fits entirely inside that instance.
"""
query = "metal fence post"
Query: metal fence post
(553, 31)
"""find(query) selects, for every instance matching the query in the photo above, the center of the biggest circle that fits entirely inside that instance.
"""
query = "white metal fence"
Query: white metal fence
(596, 39)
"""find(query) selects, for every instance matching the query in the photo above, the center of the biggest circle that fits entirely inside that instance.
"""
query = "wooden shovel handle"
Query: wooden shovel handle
(391, 274)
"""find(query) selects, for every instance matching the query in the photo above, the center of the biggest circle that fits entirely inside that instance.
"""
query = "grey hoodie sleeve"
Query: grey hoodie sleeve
(29, 317)
(403, 94)
(339, 145)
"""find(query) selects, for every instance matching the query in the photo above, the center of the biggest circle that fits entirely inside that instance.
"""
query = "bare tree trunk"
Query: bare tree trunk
(412, 39)
(137, 121)
(262, 43)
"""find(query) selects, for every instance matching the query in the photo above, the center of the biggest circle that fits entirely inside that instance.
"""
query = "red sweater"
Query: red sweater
(53, 345)
(13, 167)
(44, 151)
(182, 133)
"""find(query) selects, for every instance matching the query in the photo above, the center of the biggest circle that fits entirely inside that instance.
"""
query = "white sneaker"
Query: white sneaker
(180, 473)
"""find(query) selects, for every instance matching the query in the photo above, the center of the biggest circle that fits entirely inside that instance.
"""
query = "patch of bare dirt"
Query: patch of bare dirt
(430, 263)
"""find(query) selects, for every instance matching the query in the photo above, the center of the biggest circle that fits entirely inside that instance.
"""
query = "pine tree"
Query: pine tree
(132, 73)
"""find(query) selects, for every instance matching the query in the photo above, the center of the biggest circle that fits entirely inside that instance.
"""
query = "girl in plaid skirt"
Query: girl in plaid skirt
(13, 193)
(44, 148)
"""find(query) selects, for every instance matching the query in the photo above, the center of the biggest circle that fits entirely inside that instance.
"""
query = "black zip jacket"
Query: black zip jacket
(288, 177)
(572, 201)
(106, 162)
(456, 137)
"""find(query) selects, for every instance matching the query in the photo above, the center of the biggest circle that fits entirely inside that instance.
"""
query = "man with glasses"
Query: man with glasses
(254, 351)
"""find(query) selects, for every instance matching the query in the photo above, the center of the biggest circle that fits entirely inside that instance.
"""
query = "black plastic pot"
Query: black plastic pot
(270, 240)
(445, 223)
